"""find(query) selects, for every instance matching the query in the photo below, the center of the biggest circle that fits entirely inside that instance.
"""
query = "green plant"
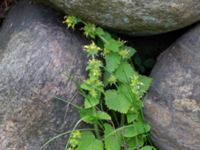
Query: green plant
(112, 96)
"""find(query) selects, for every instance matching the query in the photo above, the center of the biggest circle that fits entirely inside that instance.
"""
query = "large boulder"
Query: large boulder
(172, 106)
(37, 57)
(138, 17)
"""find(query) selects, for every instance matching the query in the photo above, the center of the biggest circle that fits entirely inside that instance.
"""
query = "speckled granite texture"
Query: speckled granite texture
(172, 106)
(37, 57)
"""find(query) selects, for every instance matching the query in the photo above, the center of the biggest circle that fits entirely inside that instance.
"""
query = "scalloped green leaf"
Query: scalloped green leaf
(113, 45)
(132, 116)
(102, 115)
(124, 72)
(112, 62)
(135, 143)
(131, 51)
(89, 116)
(117, 101)
(112, 141)
(89, 142)
(136, 129)
(90, 102)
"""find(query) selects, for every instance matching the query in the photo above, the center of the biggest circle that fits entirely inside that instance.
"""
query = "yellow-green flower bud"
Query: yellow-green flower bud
(112, 79)
(124, 53)
(92, 49)
(71, 21)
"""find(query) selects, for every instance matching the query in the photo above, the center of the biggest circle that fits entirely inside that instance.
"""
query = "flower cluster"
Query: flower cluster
(92, 49)
(71, 21)
(74, 140)
(136, 84)
(93, 84)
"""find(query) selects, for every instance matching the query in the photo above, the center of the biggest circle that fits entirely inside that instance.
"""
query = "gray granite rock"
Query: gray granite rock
(37, 57)
(172, 106)
(137, 17)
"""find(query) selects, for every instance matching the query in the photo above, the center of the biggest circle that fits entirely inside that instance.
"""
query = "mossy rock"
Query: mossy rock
(135, 17)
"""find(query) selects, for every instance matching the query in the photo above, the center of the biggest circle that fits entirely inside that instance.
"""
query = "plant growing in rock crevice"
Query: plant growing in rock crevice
(112, 96)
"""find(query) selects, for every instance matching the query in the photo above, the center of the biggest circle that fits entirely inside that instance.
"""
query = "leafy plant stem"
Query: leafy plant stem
(112, 94)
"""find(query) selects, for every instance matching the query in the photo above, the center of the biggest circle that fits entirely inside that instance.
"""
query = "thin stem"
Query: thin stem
(125, 144)
(117, 130)
(96, 128)
(115, 117)
(122, 120)
(69, 102)
(103, 39)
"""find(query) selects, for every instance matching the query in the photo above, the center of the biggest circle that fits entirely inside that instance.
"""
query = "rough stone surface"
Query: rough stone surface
(37, 56)
(172, 106)
(138, 17)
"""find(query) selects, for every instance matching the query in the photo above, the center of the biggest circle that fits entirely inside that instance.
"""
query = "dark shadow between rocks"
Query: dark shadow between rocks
(150, 47)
